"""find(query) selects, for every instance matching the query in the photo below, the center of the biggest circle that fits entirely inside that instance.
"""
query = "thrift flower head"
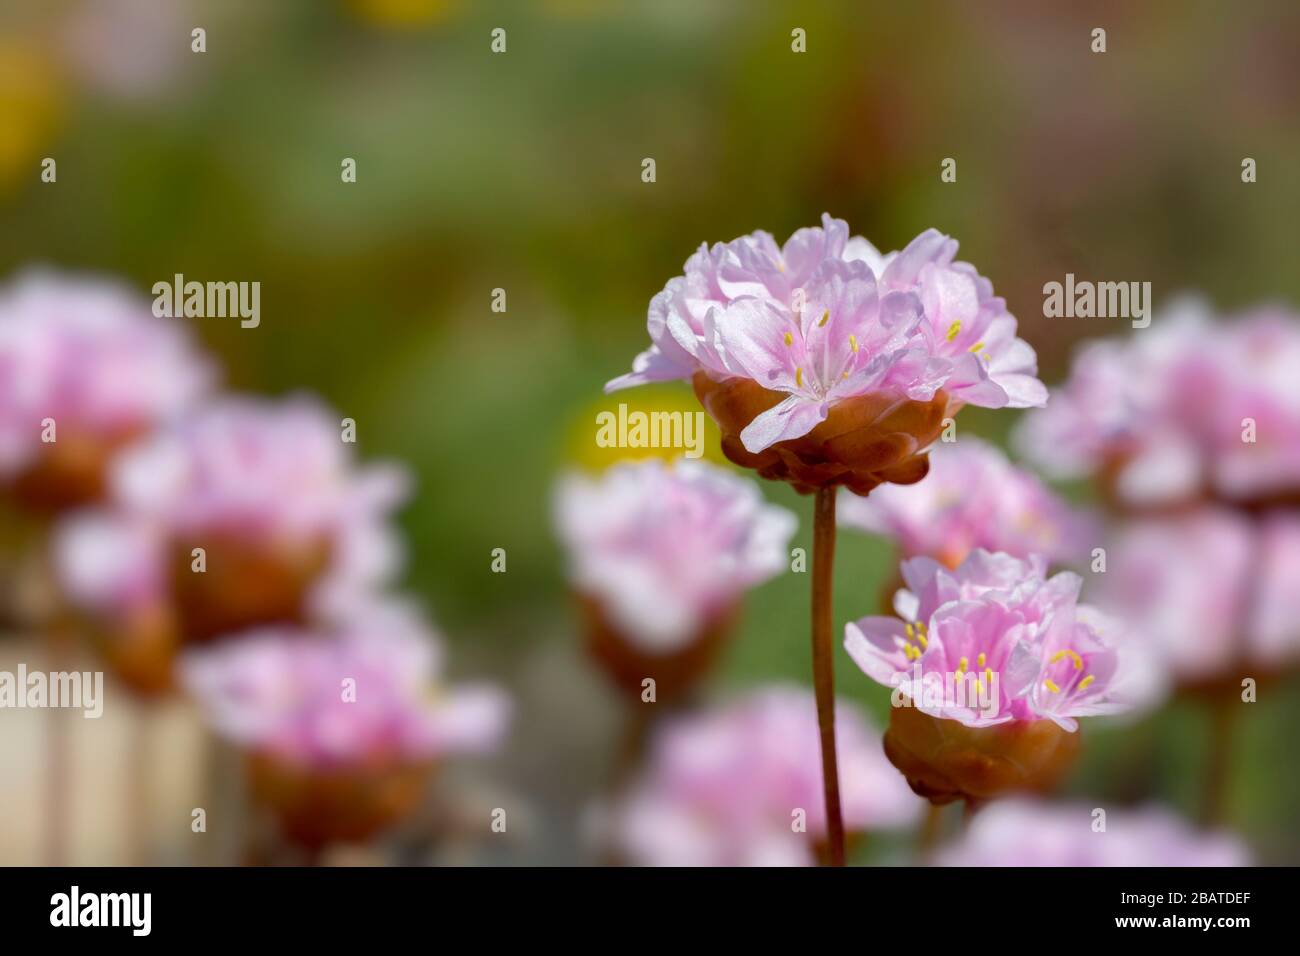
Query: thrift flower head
(90, 356)
(722, 788)
(972, 498)
(1210, 592)
(665, 549)
(992, 663)
(340, 729)
(827, 318)
(270, 492)
(283, 693)
(1163, 417)
(1031, 833)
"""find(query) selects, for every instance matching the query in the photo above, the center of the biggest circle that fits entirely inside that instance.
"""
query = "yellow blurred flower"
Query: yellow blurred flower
(404, 13)
(31, 102)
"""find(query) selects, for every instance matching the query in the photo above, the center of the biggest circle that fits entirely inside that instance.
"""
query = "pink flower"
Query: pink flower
(1030, 833)
(257, 476)
(363, 693)
(729, 787)
(973, 497)
(826, 318)
(1210, 591)
(90, 355)
(995, 641)
(665, 548)
(1163, 415)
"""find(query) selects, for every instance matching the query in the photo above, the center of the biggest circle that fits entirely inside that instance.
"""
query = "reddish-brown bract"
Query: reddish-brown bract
(865, 441)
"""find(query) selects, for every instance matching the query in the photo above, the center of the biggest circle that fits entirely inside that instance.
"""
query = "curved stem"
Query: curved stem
(823, 665)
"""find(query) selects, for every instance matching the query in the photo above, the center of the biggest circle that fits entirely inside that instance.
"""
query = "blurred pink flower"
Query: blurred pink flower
(1030, 833)
(998, 622)
(365, 692)
(1160, 415)
(723, 788)
(1211, 591)
(826, 317)
(665, 548)
(89, 354)
(273, 476)
(973, 497)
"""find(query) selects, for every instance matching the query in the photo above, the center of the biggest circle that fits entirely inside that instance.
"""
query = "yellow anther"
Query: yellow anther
(921, 639)
(826, 316)
(954, 330)
(910, 652)
(910, 630)
(920, 626)
(1078, 661)
(789, 338)
(1051, 685)
(798, 378)
(1083, 684)
(853, 343)
(962, 665)
(979, 661)
(977, 346)
(988, 672)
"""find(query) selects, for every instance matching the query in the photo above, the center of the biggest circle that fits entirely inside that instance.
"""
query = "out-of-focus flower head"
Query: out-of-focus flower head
(1211, 591)
(362, 693)
(133, 49)
(723, 788)
(991, 664)
(666, 549)
(90, 356)
(826, 318)
(1163, 417)
(1031, 833)
(289, 526)
(973, 497)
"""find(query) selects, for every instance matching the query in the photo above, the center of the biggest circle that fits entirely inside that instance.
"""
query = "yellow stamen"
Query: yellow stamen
(1051, 685)
(853, 343)
(798, 378)
(910, 630)
(920, 626)
(825, 318)
(954, 330)
(962, 665)
(977, 346)
(921, 639)
(979, 661)
(988, 672)
(1085, 682)
(910, 652)
(789, 338)
(1078, 661)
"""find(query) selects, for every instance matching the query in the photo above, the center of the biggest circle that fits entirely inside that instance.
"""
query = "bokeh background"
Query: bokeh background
(522, 171)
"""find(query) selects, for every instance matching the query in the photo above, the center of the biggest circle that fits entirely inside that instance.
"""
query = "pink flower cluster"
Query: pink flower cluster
(1030, 833)
(90, 355)
(359, 692)
(1170, 410)
(664, 547)
(827, 317)
(972, 498)
(1211, 590)
(261, 471)
(995, 640)
(731, 787)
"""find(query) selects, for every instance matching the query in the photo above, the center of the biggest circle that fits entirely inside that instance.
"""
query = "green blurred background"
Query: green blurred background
(522, 171)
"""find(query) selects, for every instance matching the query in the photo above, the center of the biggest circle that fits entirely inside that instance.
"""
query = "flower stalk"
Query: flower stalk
(824, 665)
